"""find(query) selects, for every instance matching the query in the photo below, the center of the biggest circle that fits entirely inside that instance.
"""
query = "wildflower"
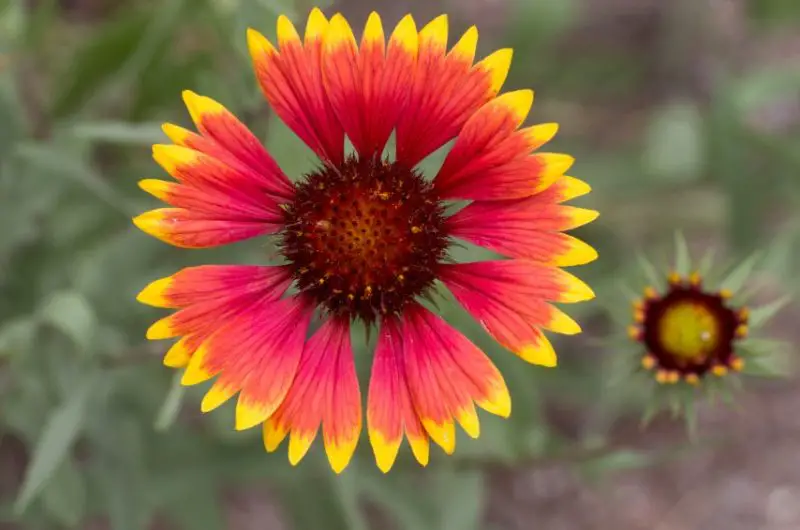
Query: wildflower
(364, 238)
(695, 332)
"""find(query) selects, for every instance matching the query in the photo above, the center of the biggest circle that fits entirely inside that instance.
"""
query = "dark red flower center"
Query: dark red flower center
(689, 331)
(364, 239)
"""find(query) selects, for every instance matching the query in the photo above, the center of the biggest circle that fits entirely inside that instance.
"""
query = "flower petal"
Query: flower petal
(390, 411)
(188, 229)
(487, 144)
(529, 228)
(548, 247)
(491, 159)
(291, 80)
(341, 422)
(447, 90)
(207, 283)
(257, 353)
(324, 391)
(446, 373)
(205, 309)
(211, 202)
(509, 298)
(368, 86)
(215, 122)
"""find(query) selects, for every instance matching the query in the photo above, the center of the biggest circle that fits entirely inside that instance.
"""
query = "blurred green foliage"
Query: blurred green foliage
(106, 432)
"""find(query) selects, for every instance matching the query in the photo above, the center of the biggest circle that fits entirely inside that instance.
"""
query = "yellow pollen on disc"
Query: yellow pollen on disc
(689, 331)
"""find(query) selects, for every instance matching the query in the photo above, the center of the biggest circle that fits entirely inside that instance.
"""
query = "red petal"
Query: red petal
(188, 229)
(223, 129)
(447, 90)
(508, 226)
(509, 298)
(211, 283)
(325, 391)
(445, 374)
(390, 411)
(292, 83)
(257, 351)
(489, 151)
(368, 87)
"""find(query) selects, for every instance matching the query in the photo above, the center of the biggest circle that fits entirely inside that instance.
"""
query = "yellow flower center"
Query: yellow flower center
(689, 331)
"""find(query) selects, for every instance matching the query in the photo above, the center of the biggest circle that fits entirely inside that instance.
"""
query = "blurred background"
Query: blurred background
(683, 114)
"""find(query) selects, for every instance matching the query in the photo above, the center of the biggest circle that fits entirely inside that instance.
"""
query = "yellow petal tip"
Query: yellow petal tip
(583, 216)
(541, 354)
(339, 455)
(405, 35)
(499, 402)
(216, 396)
(299, 446)
(178, 355)
(258, 45)
(468, 420)
(518, 103)
(154, 293)
(385, 451)
(562, 323)
(249, 415)
(316, 25)
(497, 66)
(175, 133)
(577, 253)
(155, 187)
(160, 330)
(273, 435)
(442, 433)
(572, 188)
(575, 290)
(287, 33)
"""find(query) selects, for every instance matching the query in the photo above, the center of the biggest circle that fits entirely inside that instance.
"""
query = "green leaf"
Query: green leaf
(291, 153)
(400, 498)
(683, 262)
(172, 405)
(13, 14)
(117, 457)
(200, 510)
(64, 496)
(460, 496)
(706, 262)
(115, 132)
(60, 431)
(736, 279)
(10, 115)
(764, 87)
(622, 460)
(68, 165)
(761, 315)
(542, 21)
(70, 313)
(758, 347)
(778, 362)
(336, 503)
(674, 149)
(16, 335)
(99, 61)
(651, 274)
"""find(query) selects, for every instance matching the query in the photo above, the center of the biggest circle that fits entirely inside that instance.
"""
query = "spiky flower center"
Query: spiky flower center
(689, 330)
(364, 239)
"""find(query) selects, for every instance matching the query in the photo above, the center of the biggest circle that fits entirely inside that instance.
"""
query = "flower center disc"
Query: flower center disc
(364, 239)
(689, 330)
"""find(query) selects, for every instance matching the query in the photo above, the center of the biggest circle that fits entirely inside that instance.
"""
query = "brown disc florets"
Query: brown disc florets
(688, 332)
(364, 239)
